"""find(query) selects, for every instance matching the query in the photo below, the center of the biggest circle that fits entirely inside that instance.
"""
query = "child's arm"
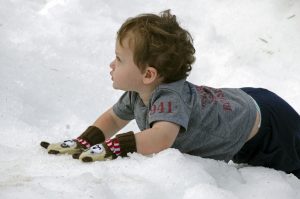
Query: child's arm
(110, 123)
(161, 136)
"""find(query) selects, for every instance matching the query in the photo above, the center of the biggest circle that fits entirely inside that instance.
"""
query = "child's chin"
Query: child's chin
(116, 87)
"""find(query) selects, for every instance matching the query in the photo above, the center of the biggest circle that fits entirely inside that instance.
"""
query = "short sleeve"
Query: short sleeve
(168, 105)
(124, 108)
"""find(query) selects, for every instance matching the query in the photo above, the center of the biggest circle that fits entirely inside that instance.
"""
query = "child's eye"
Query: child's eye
(118, 59)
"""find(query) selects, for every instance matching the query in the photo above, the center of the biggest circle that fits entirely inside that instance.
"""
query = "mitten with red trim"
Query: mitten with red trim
(110, 149)
(91, 136)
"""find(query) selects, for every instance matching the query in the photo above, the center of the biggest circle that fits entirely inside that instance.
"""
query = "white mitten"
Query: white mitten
(91, 136)
(65, 147)
(98, 152)
(110, 149)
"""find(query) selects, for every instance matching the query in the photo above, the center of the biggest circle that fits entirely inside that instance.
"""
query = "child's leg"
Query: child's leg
(277, 144)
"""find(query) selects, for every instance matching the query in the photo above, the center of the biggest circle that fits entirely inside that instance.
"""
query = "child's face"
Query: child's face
(125, 73)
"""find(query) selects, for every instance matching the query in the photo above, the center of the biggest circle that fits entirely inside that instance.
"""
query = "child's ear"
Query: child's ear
(150, 75)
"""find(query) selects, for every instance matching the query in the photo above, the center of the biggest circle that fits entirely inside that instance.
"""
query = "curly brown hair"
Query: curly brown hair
(158, 41)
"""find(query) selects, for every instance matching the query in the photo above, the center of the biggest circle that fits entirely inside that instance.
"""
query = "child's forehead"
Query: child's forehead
(125, 44)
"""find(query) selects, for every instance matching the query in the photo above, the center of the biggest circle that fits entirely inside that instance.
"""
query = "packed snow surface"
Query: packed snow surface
(54, 82)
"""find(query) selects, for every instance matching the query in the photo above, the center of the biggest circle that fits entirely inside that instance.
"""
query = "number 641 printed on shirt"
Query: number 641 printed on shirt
(162, 107)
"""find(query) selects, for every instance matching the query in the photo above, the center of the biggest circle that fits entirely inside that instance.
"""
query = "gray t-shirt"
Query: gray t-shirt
(215, 123)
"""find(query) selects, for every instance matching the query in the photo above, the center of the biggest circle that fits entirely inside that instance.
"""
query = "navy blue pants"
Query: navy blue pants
(277, 143)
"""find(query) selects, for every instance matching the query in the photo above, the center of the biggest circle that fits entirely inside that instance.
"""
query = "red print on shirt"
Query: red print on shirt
(162, 107)
(211, 95)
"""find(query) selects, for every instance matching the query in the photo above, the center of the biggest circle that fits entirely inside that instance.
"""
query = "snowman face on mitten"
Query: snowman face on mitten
(97, 149)
(95, 153)
(68, 143)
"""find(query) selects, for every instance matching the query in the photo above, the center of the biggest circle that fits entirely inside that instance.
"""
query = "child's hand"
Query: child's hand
(66, 147)
(98, 152)
(92, 135)
(108, 150)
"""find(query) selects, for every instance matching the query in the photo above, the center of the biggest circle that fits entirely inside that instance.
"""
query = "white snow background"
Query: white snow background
(54, 82)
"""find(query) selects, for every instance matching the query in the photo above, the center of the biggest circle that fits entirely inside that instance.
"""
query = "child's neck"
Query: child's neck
(146, 91)
(145, 96)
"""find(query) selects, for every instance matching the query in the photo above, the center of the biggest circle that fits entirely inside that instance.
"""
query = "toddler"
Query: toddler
(154, 56)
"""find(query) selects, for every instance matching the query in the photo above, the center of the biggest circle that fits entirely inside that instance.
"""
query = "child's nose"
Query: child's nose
(112, 64)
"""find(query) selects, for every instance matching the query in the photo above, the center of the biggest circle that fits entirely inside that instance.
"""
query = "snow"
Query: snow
(54, 82)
